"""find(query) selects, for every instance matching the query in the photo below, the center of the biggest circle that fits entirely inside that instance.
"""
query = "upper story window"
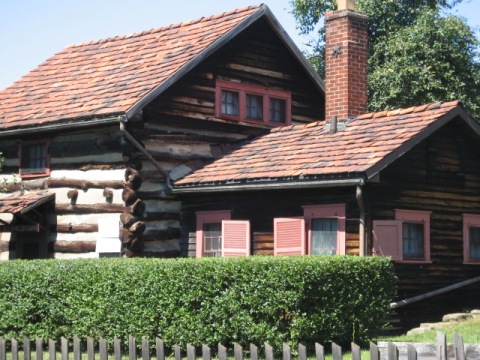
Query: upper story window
(407, 238)
(218, 235)
(321, 231)
(34, 158)
(252, 103)
(471, 239)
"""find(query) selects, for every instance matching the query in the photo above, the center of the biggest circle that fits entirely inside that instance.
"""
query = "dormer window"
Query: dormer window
(251, 103)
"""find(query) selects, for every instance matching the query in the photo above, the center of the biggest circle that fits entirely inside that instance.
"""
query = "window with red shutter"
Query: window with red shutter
(289, 236)
(236, 237)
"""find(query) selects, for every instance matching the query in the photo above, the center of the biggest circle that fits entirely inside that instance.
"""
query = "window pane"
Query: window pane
(413, 241)
(254, 107)
(34, 158)
(278, 110)
(212, 240)
(324, 237)
(230, 103)
(474, 243)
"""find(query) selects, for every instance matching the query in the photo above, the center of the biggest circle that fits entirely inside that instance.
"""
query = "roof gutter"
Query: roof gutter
(273, 186)
(55, 127)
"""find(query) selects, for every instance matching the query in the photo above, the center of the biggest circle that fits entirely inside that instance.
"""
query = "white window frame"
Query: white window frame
(469, 221)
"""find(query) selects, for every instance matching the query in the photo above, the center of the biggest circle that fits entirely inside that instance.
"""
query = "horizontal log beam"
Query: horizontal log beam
(71, 246)
(85, 184)
(74, 228)
(90, 209)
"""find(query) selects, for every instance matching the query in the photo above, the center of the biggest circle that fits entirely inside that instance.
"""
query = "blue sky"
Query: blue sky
(33, 30)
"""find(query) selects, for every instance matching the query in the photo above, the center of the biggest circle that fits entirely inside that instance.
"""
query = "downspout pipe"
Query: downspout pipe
(361, 224)
(139, 147)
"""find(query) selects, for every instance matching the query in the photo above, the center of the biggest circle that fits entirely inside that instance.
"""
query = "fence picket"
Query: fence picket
(336, 352)
(132, 348)
(145, 349)
(3, 350)
(411, 352)
(64, 348)
(27, 355)
(52, 353)
(38, 348)
(14, 349)
(302, 352)
(356, 352)
(319, 352)
(374, 352)
(206, 352)
(237, 351)
(160, 349)
(268, 352)
(286, 352)
(191, 353)
(392, 352)
(117, 349)
(77, 350)
(441, 346)
(102, 349)
(253, 352)
(90, 349)
(222, 352)
(178, 352)
(459, 348)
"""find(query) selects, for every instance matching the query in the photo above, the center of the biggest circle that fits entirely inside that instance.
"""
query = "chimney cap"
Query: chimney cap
(346, 4)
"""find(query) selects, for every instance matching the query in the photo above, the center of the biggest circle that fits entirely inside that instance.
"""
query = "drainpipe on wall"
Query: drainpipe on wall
(361, 225)
(129, 137)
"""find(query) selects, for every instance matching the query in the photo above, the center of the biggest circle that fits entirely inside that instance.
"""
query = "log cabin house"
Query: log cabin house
(107, 125)
(209, 138)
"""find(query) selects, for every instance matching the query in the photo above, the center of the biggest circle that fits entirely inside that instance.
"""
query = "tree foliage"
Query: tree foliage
(416, 54)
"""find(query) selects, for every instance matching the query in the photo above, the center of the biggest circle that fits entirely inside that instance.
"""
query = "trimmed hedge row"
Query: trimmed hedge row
(223, 300)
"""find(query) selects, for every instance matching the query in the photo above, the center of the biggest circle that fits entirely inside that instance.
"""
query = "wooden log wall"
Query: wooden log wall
(273, 204)
(441, 175)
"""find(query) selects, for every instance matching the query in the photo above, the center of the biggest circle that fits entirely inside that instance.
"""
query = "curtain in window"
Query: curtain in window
(474, 243)
(230, 101)
(413, 241)
(254, 107)
(212, 240)
(278, 110)
(323, 236)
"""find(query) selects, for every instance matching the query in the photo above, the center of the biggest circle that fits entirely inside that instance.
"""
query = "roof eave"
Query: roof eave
(66, 124)
(308, 184)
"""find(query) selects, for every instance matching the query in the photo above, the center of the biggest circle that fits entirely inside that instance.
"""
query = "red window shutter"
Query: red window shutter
(289, 236)
(236, 238)
(387, 238)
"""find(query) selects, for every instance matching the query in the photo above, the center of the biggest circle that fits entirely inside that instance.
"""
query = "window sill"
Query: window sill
(471, 262)
(413, 261)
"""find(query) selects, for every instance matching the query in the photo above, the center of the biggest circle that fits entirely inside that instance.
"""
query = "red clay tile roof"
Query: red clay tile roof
(109, 77)
(20, 204)
(310, 151)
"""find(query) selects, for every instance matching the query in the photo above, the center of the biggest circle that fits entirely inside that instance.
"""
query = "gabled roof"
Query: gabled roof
(120, 75)
(21, 204)
(303, 154)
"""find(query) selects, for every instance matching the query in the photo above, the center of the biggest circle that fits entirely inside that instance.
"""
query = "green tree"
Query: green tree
(416, 55)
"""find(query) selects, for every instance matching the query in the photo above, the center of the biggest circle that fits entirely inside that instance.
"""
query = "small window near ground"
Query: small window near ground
(407, 238)
(34, 159)
(471, 239)
(321, 231)
(217, 235)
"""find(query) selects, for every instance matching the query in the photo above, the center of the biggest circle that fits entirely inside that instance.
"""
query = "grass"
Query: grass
(468, 329)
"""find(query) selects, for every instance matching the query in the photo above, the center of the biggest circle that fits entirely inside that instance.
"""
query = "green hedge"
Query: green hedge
(210, 301)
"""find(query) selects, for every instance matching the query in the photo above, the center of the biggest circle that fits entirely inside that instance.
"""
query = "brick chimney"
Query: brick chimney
(346, 61)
